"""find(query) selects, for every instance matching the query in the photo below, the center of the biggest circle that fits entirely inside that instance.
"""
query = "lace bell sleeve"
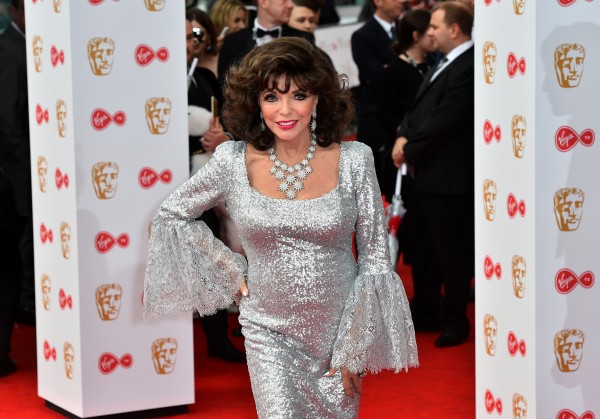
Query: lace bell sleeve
(376, 330)
(188, 268)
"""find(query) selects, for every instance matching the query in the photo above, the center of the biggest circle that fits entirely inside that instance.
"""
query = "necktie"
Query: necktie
(273, 33)
(393, 33)
(438, 68)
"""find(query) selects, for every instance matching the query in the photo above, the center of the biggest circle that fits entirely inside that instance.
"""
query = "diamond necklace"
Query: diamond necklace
(292, 177)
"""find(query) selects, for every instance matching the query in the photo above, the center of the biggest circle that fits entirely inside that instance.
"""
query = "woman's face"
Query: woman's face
(303, 19)
(287, 115)
(425, 43)
(237, 20)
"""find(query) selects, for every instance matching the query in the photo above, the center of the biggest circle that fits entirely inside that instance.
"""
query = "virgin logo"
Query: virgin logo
(489, 269)
(566, 280)
(491, 403)
(566, 3)
(49, 351)
(566, 138)
(97, 2)
(64, 300)
(61, 179)
(144, 55)
(105, 241)
(41, 114)
(56, 56)
(108, 362)
(513, 65)
(515, 345)
(513, 206)
(490, 132)
(46, 234)
(101, 118)
(569, 414)
(488, 2)
(148, 177)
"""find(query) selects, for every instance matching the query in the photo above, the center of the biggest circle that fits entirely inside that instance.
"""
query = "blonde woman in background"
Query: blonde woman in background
(230, 14)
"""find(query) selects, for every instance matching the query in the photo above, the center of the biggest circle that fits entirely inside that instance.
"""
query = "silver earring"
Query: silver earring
(262, 122)
(313, 122)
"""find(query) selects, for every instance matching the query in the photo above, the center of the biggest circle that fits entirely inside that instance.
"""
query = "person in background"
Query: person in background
(314, 318)
(230, 14)
(305, 15)
(436, 139)
(202, 124)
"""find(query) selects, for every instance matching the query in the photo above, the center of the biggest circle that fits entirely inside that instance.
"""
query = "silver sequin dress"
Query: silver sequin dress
(311, 305)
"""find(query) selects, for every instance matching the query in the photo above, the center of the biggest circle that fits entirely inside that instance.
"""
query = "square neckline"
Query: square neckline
(326, 194)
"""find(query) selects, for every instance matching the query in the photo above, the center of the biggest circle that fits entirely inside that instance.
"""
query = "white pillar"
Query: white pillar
(108, 125)
(537, 166)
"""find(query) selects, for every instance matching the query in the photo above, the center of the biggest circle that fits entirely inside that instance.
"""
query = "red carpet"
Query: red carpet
(443, 387)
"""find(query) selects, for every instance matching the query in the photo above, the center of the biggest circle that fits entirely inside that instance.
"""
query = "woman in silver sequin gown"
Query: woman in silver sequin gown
(314, 318)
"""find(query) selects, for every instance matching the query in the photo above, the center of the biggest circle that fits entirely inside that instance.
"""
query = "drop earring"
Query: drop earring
(313, 122)
(262, 122)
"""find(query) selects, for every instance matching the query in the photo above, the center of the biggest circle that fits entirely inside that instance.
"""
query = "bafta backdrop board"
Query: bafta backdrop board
(108, 125)
(538, 208)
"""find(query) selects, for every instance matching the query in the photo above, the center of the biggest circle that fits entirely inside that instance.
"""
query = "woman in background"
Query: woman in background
(230, 14)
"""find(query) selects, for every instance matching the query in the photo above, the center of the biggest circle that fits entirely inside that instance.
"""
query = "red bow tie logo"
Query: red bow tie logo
(64, 300)
(41, 114)
(105, 241)
(144, 55)
(56, 56)
(491, 403)
(566, 138)
(566, 280)
(513, 65)
(513, 206)
(61, 179)
(569, 414)
(108, 362)
(46, 234)
(101, 118)
(49, 352)
(489, 269)
(515, 345)
(566, 3)
(148, 177)
(489, 132)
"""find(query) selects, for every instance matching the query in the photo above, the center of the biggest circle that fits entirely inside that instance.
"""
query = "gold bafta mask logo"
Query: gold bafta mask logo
(489, 199)
(519, 7)
(69, 357)
(164, 355)
(38, 50)
(42, 170)
(519, 275)
(568, 64)
(108, 301)
(519, 406)
(101, 52)
(568, 349)
(105, 177)
(154, 5)
(46, 290)
(568, 208)
(158, 114)
(490, 53)
(65, 240)
(57, 4)
(519, 131)
(61, 117)
(490, 334)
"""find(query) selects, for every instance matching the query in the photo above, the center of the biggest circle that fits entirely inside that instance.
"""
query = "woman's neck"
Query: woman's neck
(415, 53)
(292, 151)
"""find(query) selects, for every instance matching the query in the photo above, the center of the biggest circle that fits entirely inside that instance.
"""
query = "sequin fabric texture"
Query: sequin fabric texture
(311, 305)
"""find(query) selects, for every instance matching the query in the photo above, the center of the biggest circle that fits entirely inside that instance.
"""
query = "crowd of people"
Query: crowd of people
(265, 114)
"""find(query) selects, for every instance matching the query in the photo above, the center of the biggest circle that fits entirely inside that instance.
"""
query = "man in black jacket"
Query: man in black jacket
(437, 140)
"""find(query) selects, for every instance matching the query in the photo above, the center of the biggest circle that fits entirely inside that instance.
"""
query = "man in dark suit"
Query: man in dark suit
(437, 140)
(372, 51)
(15, 180)
(271, 22)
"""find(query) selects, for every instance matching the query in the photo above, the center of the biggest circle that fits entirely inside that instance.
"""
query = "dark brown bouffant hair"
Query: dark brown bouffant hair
(298, 61)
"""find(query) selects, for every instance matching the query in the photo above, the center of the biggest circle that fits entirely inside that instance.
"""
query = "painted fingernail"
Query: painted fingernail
(245, 293)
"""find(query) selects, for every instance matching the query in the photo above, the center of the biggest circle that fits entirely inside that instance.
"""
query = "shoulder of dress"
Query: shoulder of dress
(229, 149)
(357, 149)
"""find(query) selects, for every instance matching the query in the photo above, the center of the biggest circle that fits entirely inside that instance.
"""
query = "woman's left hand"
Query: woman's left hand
(350, 381)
